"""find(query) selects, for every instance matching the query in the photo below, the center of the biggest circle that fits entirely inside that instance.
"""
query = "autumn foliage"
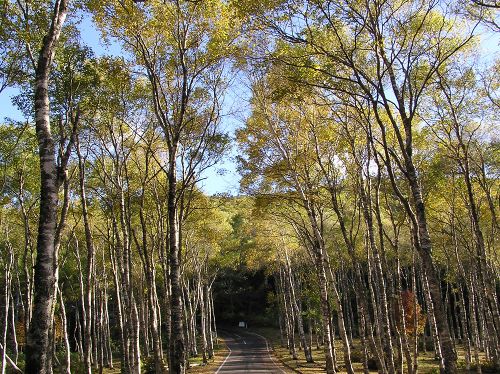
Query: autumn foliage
(414, 317)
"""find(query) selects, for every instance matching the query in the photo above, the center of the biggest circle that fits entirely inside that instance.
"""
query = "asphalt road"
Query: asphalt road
(248, 353)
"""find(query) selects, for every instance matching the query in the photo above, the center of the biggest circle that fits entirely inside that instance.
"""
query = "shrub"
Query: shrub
(148, 366)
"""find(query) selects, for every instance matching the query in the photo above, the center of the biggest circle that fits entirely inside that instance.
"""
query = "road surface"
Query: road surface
(248, 353)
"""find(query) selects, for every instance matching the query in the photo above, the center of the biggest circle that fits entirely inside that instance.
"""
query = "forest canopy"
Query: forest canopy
(365, 230)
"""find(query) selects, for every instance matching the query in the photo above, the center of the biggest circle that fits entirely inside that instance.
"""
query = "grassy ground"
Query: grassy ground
(220, 353)
(426, 362)
(197, 367)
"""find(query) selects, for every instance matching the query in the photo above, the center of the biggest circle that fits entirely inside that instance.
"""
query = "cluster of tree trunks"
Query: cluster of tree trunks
(118, 300)
(340, 140)
(379, 300)
(144, 322)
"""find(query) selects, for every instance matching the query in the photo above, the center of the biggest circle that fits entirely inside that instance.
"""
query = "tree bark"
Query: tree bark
(67, 364)
(7, 294)
(177, 348)
(296, 309)
(38, 346)
(89, 281)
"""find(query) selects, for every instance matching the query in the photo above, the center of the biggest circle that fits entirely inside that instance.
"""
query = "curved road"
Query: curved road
(248, 353)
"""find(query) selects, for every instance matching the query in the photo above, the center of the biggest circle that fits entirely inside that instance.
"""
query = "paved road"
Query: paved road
(248, 353)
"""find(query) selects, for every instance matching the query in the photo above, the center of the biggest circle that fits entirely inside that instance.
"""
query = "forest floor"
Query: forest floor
(427, 364)
(197, 367)
(220, 353)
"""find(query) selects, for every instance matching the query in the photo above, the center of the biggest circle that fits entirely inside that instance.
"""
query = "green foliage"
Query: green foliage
(18, 159)
(149, 366)
(339, 94)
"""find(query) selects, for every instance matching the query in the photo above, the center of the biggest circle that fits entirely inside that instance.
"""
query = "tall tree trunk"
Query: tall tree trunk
(89, 281)
(422, 242)
(155, 324)
(487, 280)
(296, 308)
(177, 348)
(208, 321)
(134, 340)
(109, 351)
(432, 320)
(465, 328)
(210, 332)
(64, 322)
(149, 267)
(325, 312)
(474, 325)
(425, 249)
(381, 287)
(287, 313)
(13, 317)
(322, 266)
(7, 294)
(27, 256)
(38, 346)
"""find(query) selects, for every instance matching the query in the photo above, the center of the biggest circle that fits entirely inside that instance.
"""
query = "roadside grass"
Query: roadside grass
(196, 363)
(427, 364)
(220, 353)
(115, 370)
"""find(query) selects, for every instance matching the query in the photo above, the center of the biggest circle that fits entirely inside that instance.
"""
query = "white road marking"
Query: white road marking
(223, 362)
